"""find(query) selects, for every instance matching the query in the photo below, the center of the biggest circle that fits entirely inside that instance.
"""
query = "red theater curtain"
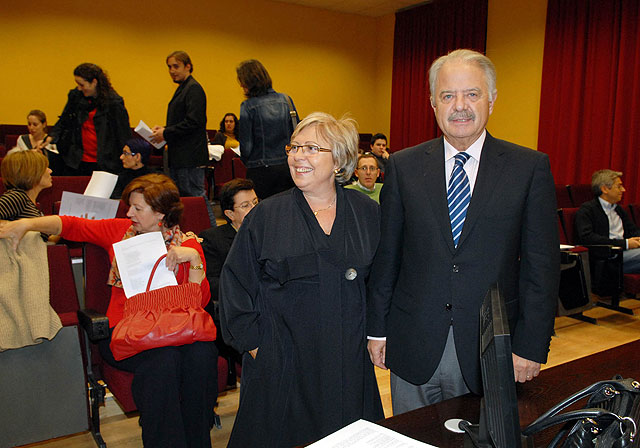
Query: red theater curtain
(422, 35)
(590, 99)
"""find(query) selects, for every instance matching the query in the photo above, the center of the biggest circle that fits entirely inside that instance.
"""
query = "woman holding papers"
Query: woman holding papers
(174, 388)
(292, 297)
(93, 126)
(35, 139)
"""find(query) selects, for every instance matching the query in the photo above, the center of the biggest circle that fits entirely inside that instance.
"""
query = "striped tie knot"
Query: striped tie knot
(458, 196)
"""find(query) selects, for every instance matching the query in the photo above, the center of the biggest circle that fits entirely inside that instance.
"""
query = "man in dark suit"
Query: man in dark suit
(237, 199)
(186, 130)
(602, 221)
(433, 268)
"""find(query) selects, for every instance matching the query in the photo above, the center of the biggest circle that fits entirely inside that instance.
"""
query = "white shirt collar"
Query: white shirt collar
(370, 190)
(475, 150)
(606, 204)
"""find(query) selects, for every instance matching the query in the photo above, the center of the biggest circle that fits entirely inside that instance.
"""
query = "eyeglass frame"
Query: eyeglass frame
(246, 204)
(129, 153)
(368, 168)
(289, 149)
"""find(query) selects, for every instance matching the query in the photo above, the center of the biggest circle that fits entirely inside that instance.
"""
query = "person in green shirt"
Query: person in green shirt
(367, 173)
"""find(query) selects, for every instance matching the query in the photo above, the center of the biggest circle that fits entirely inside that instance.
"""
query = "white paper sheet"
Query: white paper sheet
(566, 247)
(364, 434)
(145, 132)
(101, 184)
(215, 152)
(74, 204)
(136, 257)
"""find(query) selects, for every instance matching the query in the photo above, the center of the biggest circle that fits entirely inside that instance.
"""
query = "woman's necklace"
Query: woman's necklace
(315, 212)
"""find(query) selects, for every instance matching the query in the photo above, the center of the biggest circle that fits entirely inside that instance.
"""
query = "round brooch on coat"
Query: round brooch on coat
(351, 274)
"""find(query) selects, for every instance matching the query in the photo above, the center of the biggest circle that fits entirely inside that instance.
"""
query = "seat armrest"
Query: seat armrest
(95, 324)
(604, 251)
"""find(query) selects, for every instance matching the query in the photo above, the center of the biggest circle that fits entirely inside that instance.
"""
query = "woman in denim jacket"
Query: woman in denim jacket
(267, 120)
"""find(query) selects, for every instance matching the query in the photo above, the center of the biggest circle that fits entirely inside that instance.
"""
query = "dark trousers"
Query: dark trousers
(84, 169)
(175, 390)
(190, 182)
(269, 180)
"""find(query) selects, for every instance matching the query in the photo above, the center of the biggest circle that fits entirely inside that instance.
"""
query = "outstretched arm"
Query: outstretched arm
(15, 230)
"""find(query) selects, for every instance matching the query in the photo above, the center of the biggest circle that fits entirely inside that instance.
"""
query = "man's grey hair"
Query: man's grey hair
(603, 177)
(470, 57)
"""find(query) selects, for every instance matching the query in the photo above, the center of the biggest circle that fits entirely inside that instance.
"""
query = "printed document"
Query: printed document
(101, 184)
(136, 257)
(364, 434)
(74, 204)
(145, 132)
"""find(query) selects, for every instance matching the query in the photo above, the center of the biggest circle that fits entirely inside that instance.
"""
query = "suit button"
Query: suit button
(448, 307)
(351, 274)
(455, 268)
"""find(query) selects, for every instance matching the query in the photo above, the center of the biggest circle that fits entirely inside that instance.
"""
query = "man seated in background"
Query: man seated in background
(378, 147)
(602, 221)
(367, 172)
(237, 198)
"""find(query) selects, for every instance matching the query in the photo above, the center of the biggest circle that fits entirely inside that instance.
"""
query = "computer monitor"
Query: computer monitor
(499, 425)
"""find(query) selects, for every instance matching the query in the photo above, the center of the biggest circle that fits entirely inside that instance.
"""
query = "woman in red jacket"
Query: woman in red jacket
(174, 388)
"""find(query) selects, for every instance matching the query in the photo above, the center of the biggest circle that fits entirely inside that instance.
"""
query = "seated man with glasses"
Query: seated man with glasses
(135, 157)
(367, 173)
(237, 199)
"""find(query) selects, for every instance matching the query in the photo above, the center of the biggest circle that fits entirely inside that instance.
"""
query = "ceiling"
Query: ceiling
(372, 8)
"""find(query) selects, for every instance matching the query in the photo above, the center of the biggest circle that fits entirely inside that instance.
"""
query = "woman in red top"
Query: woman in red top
(174, 388)
(93, 126)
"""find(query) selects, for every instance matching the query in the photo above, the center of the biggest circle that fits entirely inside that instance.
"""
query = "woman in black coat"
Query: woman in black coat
(94, 125)
(292, 297)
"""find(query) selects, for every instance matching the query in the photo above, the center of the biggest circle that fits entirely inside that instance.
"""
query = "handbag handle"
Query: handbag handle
(537, 424)
(155, 266)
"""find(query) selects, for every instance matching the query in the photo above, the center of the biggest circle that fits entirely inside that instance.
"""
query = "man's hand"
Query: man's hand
(158, 134)
(523, 369)
(377, 352)
(633, 243)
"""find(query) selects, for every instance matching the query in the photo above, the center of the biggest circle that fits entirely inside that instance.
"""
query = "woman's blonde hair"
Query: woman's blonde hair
(342, 136)
(23, 169)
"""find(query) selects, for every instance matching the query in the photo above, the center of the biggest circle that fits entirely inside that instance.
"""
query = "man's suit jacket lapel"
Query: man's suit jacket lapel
(491, 165)
(436, 190)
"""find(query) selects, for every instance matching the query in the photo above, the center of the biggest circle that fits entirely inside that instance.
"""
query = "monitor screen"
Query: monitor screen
(500, 400)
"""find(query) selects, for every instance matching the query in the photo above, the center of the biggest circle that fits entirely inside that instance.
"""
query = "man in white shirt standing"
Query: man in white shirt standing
(603, 221)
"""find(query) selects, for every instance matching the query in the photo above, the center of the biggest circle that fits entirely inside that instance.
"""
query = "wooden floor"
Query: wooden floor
(573, 339)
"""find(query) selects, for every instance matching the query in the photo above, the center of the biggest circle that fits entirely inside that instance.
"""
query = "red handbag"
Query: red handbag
(168, 316)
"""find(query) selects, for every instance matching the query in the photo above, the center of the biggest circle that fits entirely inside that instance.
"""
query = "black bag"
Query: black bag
(609, 420)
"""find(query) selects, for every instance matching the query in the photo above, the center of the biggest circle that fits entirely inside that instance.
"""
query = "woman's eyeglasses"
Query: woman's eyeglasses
(247, 204)
(310, 150)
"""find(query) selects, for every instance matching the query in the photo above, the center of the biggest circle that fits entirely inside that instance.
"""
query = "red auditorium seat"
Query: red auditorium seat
(195, 217)
(239, 170)
(563, 198)
(580, 193)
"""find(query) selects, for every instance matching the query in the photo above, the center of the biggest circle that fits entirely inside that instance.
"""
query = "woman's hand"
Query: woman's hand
(14, 231)
(182, 254)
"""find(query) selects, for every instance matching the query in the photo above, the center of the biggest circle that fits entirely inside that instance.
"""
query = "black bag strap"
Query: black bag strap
(570, 416)
(601, 387)
(292, 112)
